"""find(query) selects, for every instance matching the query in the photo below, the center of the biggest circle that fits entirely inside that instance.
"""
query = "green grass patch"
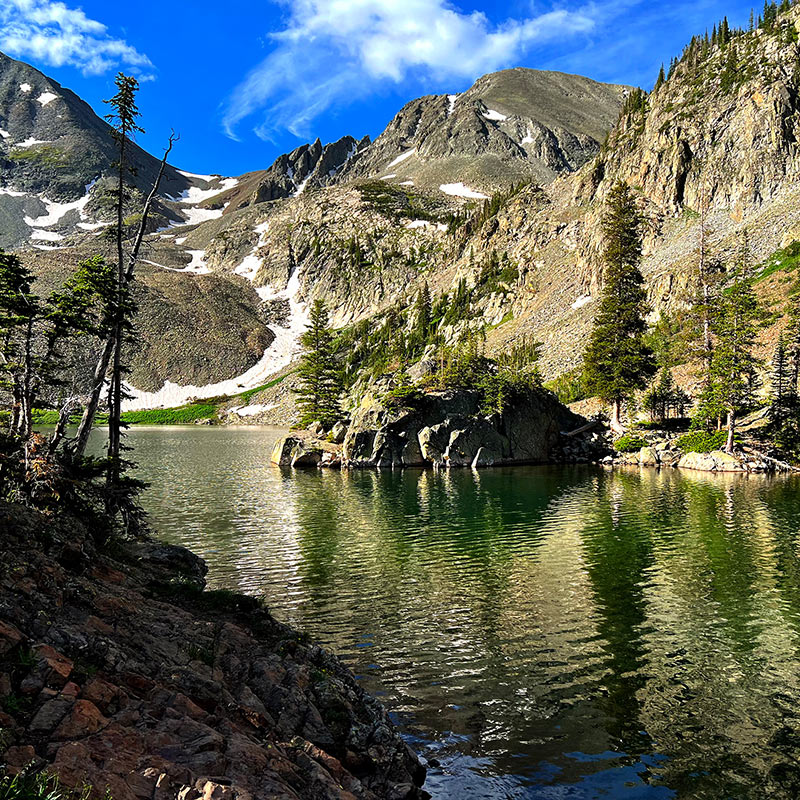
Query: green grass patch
(248, 395)
(785, 260)
(182, 415)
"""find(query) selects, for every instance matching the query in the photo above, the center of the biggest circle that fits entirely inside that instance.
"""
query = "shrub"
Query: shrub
(629, 443)
(702, 441)
(32, 785)
(569, 387)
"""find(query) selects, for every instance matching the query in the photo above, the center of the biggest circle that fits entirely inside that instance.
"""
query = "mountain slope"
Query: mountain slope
(510, 125)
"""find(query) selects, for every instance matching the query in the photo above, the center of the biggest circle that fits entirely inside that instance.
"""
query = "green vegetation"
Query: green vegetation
(629, 444)
(181, 415)
(320, 378)
(32, 784)
(731, 378)
(570, 386)
(618, 360)
(699, 441)
(44, 154)
(785, 260)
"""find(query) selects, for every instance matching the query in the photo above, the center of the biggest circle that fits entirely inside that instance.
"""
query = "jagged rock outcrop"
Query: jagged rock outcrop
(447, 429)
(308, 166)
(121, 674)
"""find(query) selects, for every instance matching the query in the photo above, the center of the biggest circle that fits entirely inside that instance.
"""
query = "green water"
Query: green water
(547, 632)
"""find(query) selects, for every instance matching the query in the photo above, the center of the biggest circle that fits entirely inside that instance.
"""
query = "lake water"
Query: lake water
(541, 632)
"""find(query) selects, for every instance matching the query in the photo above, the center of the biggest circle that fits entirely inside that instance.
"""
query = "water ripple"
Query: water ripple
(539, 632)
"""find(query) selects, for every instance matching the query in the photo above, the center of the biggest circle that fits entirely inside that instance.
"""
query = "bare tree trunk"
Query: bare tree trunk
(64, 415)
(616, 414)
(114, 392)
(731, 430)
(26, 410)
(101, 369)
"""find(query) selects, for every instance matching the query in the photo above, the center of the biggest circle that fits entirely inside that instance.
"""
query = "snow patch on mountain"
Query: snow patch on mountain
(206, 178)
(46, 236)
(461, 190)
(253, 409)
(5, 134)
(252, 263)
(451, 98)
(402, 157)
(582, 301)
(424, 223)
(496, 116)
(46, 97)
(25, 87)
(278, 355)
(32, 142)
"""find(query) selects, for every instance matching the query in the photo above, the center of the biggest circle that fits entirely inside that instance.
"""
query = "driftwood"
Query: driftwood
(588, 426)
(782, 464)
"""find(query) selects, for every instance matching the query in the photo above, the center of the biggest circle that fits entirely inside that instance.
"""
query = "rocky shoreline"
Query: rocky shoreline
(119, 671)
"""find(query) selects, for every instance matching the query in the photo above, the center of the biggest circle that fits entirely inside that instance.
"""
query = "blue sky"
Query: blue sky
(246, 80)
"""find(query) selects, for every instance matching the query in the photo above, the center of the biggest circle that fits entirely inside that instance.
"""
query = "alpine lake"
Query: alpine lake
(536, 632)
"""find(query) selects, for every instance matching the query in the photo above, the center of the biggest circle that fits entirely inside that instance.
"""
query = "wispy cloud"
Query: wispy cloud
(334, 51)
(55, 34)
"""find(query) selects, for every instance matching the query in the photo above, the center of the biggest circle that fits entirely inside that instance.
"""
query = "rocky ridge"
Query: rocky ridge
(122, 673)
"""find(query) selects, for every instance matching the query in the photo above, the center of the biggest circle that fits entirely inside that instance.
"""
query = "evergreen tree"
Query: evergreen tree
(123, 119)
(320, 383)
(733, 364)
(19, 309)
(423, 323)
(784, 407)
(660, 80)
(617, 360)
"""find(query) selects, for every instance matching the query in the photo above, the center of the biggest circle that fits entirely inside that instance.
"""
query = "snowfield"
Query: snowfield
(278, 355)
(252, 263)
(496, 116)
(460, 190)
(424, 223)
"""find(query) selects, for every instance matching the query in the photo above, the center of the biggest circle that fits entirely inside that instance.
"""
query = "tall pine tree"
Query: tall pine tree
(617, 360)
(734, 364)
(320, 384)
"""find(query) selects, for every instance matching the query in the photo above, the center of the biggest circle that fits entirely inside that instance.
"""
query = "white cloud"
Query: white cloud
(360, 44)
(55, 34)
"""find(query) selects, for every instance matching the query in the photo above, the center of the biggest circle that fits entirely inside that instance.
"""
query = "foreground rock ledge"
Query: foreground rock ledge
(123, 674)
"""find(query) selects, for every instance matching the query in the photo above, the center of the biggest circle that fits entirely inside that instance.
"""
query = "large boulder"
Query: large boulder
(293, 451)
(478, 435)
(715, 461)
